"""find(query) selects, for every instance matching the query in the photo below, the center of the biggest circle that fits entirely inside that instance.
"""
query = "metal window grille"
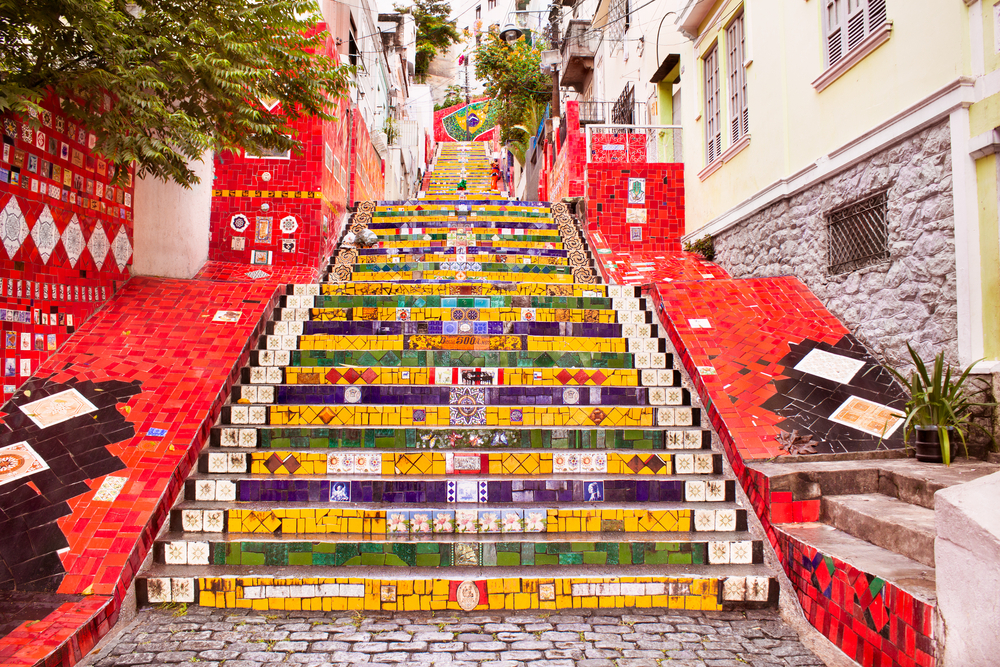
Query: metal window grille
(713, 124)
(618, 19)
(858, 234)
(623, 113)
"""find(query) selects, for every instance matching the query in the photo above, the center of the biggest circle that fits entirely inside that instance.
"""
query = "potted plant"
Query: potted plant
(940, 407)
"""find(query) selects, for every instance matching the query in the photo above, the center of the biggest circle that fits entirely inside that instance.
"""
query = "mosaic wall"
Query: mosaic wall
(779, 374)
(66, 230)
(472, 122)
(872, 620)
(636, 207)
(285, 210)
(367, 170)
(630, 148)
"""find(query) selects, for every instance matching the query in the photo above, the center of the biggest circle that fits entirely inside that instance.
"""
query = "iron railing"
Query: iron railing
(634, 143)
(858, 234)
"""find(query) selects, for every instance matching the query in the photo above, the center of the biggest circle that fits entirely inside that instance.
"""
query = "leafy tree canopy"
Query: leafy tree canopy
(184, 76)
(512, 74)
(435, 32)
(452, 96)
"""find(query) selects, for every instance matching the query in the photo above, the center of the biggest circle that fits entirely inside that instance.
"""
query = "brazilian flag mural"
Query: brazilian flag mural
(470, 122)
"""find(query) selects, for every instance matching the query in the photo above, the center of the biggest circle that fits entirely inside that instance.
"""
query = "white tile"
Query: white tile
(239, 414)
(704, 521)
(158, 589)
(683, 464)
(741, 553)
(214, 521)
(734, 589)
(248, 393)
(204, 489)
(265, 394)
(237, 462)
(248, 437)
(253, 592)
(274, 375)
(694, 491)
(182, 590)
(725, 520)
(664, 416)
(197, 553)
(757, 589)
(831, 366)
(225, 490)
(718, 553)
(175, 553)
(191, 521)
(218, 462)
(715, 491)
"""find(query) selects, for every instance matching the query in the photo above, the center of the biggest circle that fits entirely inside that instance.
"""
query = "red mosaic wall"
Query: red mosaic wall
(611, 205)
(367, 168)
(753, 324)
(186, 364)
(618, 147)
(306, 196)
(66, 233)
(566, 179)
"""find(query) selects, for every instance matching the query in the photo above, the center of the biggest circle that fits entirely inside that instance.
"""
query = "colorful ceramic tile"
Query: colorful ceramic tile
(57, 408)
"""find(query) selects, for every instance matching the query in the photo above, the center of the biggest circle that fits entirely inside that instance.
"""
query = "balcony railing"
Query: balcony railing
(599, 112)
(634, 143)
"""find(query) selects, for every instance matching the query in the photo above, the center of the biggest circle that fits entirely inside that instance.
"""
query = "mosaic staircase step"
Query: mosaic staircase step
(320, 303)
(664, 384)
(306, 462)
(547, 552)
(351, 489)
(207, 520)
(395, 593)
(459, 288)
(456, 342)
(460, 397)
(456, 439)
(274, 360)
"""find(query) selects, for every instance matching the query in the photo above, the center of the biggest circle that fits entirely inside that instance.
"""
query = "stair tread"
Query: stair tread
(915, 578)
(708, 536)
(455, 572)
(884, 521)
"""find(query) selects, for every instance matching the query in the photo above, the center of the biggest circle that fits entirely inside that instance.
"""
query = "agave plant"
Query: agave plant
(941, 401)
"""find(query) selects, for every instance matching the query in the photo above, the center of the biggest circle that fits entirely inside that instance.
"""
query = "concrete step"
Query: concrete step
(884, 521)
(911, 576)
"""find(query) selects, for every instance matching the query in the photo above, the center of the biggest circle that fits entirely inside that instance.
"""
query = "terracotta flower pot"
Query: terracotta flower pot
(928, 446)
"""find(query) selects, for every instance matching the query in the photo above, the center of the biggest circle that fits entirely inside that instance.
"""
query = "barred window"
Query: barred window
(858, 234)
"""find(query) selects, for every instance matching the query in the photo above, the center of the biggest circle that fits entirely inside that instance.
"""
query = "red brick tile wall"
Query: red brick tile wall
(367, 169)
(608, 205)
(56, 197)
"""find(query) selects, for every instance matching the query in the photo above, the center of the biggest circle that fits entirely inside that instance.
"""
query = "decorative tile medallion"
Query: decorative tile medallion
(19, 460)
(867, 416)
(834, 367)
(57, 408)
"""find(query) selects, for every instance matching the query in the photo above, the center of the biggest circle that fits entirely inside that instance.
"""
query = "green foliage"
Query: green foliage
(521, 134)
(183, 76)
(512, 75)
(391, 130)
(435, 32)
(939, 401)
(452, 95)
(704, 246)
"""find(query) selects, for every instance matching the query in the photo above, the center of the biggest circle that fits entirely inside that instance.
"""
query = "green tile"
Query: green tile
(570, 559)
(506, 558)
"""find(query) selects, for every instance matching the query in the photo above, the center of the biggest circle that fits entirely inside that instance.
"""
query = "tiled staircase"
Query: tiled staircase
(460, 418)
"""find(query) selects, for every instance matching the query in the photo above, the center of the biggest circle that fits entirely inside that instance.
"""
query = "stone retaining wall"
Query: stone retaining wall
(910, 296)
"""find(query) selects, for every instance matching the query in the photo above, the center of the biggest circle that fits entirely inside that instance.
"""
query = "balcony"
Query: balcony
(579, 46)
(597, 112)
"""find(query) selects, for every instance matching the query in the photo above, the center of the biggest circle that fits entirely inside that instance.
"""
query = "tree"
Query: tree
(435, 32)
(452, 96)
(512, 74)
(182, 76)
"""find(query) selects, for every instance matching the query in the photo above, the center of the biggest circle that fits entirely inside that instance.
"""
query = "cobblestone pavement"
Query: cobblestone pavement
(575, 638)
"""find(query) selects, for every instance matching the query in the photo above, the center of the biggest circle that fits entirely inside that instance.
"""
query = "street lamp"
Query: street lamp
(511, 33)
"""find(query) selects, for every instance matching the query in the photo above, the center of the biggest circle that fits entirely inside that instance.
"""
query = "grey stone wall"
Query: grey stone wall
(910, 297)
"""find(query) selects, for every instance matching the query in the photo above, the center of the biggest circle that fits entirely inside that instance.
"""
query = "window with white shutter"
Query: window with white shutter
(713, 125)
(739, 117)
(847, 23)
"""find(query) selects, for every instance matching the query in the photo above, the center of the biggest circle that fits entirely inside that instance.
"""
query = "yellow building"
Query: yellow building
(852, 143)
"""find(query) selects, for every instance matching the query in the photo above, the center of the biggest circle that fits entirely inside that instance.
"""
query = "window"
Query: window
(491, 4)
(847, 23)
(618, 20)
(858, 234)
(713, 126)
(739, 118)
